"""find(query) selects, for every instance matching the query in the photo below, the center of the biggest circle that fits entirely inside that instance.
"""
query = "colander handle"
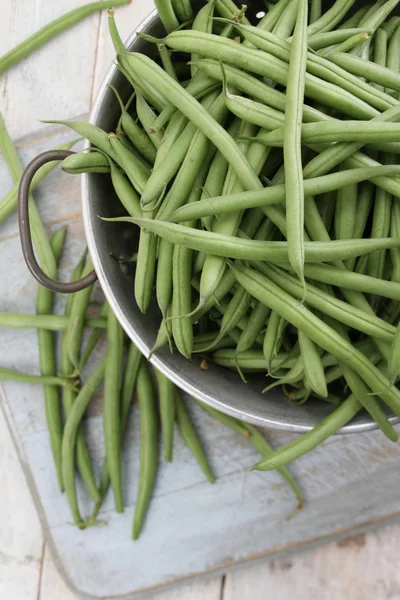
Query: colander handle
(25, 233)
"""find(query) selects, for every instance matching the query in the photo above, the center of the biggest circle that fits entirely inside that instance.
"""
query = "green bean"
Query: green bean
(380, 51)
(182, 9)
(10, 152)
(166, 395)
(85, 162)
(124, 190)
(254, 360)
(371, 404)
(47, 361)
(315, 11)
(330, 18)
(391, 26)
(393, 367)
(313, 368)
(375, 18)
(292, 146)
(198, 87)
(327, 304)
(148, 447)
(276, 194)
(324, 40)
(202, 339)
(247, 249)
(253, 112)
(346, 211)
(346, 46)
(380, 227)
(273, 333)
(167, 14)
(294, 374)
(364, 68)
(284, 26)
(127, 105)
(355, 19)
(145, 269)
(272, 17)
(83, 461)
(130, 375)
(327, 338)
(49, 322)
(48, 32)
(166, 61)
(76, 319)
(133, 169)
(256, 323)
(229, 9)
(147, 118)
(267, 65)
(135, 134)
(352, 281)
(112, 409)
(93, 339)
(182, 300)
(202, 22)
(310, 440)
(71, 437)
(235, 311)
(191, 438)
(94, 134)
(395, 230)
(45, 380)
(366, 132)
(148, 92)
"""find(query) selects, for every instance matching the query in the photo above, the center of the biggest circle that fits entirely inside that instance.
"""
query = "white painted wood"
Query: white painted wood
(54, 82)
(21, 539)
(364, 567)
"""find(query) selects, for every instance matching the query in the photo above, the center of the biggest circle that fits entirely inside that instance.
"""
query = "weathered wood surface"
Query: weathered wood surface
(193, 527)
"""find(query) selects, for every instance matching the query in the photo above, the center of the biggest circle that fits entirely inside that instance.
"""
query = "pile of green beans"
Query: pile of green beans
(268, 213)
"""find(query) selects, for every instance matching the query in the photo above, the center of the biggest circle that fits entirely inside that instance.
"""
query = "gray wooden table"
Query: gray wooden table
(351, 483)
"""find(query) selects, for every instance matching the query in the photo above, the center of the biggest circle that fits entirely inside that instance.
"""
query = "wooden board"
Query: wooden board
(194, 528)
(356, 474)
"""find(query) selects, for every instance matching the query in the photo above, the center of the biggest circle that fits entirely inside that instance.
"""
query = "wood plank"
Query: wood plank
(54, 82)
(364, 567)
(21, 532)
(53, 587)
(127, 19)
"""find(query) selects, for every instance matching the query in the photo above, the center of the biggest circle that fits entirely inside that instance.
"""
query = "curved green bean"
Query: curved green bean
(292, 146)
(310, 440)
(70, 437)
(112, 408)
(148, 447)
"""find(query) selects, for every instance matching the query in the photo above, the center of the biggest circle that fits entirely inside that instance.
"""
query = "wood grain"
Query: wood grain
(21, 538)
(61, 81)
